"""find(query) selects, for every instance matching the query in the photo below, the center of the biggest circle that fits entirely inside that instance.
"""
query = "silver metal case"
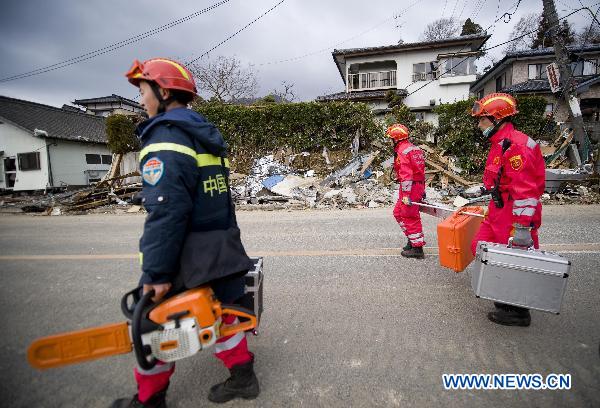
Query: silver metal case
(253, 299)
(529, 278)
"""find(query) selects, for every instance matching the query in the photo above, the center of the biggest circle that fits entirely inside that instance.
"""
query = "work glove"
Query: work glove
(521, 236)
(407, 201)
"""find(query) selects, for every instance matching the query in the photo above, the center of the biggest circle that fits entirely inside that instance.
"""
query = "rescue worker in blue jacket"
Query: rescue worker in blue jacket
(185, 193)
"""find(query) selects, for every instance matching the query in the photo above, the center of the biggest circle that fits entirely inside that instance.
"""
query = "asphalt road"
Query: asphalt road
(348, 322)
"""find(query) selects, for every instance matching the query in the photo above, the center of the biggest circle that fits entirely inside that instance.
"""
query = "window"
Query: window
(10, 164)
(458, 66)
(590, 67)
(93, 159)
(500, 82)
(369, 80)
(10, 171)
(537, 71)
(29, 161)
(424, 71)
(480, 94)
(549, 108)
(582, 68)
(106, 159)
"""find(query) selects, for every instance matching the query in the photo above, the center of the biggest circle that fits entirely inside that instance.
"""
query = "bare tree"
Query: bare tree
(526, 24)
(285, 93)
(588, 35)
(225, 79)
(441, 29)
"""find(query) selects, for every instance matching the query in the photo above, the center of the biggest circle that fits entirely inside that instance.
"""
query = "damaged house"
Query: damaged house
(524, 73)
(441, 71)
(44, 147)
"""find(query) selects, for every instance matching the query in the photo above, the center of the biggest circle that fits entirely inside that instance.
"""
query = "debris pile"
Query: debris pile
(104, 195)
(330, 179)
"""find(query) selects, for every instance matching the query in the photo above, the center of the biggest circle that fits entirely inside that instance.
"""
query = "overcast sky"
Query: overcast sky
(36, 33)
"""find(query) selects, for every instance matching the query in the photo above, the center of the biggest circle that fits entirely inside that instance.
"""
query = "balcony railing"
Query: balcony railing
(371, 80)
(424, 76)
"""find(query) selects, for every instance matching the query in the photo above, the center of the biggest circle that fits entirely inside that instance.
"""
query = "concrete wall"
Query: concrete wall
(14, 140)
(68, 162)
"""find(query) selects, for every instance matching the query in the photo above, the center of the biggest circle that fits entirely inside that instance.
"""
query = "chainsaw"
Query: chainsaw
(175, 328)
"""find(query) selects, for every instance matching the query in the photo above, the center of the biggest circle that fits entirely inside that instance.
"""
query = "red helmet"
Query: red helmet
(397, 132)
(497, 105)
(168, 74)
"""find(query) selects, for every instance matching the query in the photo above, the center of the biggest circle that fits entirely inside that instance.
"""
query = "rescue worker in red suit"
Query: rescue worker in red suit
(409, 165)
(515, 175)
(181, 154)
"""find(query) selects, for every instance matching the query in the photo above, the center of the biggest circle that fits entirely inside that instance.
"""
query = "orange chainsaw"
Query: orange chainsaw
(175, 328)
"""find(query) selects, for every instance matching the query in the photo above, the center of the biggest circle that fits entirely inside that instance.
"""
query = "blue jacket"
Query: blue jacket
(184, 187)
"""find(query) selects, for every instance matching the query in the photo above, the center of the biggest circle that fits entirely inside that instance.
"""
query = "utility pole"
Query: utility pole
(568, 85)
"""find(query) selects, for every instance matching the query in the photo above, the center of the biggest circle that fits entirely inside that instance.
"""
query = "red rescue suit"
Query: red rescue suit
(521, 185)
(410, 171)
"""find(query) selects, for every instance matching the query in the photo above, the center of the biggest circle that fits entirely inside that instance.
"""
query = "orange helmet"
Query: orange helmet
(496, 105)
(397, 132)
(168, 74)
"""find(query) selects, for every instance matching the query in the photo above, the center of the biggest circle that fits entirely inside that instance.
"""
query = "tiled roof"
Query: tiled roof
(550, 50)
(58, 123)
(359, 96)
(542, 85)
(540, 52)
(403, 46)
(537, 85)
(107, 99)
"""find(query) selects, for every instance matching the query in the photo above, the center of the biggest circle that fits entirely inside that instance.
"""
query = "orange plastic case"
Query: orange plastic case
(455, 235)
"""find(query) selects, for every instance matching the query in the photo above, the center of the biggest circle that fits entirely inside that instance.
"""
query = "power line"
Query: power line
(480, 8)
(462, 48)
(236, 33)
(496, 46)
(111, 47)
(559, 100)
(328, 48)
(454, 9)
(191, 62)
(462, 10)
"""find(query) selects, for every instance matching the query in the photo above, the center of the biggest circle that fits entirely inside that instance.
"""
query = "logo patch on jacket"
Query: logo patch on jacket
(153, 170)
(496, 160)
(516, 162)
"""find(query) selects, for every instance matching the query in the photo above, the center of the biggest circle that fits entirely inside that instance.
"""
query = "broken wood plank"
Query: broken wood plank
(368, 162)
(444, 181)
(453, 176)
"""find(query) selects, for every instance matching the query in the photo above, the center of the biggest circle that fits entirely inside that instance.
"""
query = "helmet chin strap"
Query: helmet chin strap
(497, 124)
(162, 103)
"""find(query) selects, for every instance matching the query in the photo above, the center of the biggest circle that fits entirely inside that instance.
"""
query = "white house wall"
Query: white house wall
(446, 93)
(404, 62)
(14, 140)
(68, 162)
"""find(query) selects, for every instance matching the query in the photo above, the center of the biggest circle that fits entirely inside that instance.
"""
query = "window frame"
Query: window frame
(88, 156)
(25, 157)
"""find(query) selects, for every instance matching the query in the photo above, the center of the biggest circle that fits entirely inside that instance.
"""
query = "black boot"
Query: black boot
(509, 315)
(501, 306)
(242, 384)
(157, 401)
(413, 252)
(407, 246)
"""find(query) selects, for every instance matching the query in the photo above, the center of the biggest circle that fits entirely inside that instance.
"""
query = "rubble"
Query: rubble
(329, 179)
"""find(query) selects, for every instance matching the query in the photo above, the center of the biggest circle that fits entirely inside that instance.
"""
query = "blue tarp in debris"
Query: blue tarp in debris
(272, 181)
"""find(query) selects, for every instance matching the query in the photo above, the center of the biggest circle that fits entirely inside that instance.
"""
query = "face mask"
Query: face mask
(488, 131)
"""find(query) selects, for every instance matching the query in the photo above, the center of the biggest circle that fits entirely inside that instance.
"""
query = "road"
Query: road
(348, 322)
